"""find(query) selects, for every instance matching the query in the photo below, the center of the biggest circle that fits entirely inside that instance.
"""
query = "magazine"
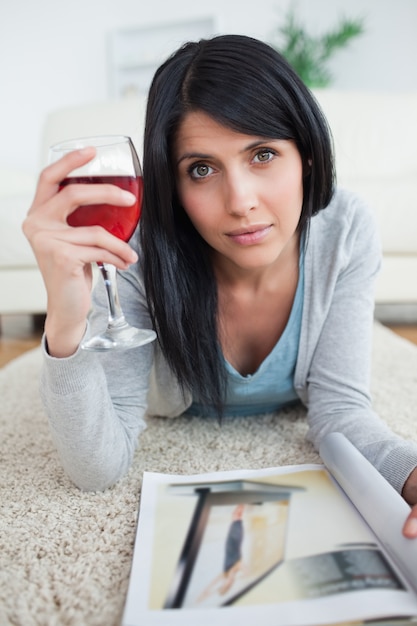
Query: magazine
(298, 545)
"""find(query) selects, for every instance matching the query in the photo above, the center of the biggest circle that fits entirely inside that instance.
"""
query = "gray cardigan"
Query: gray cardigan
(96, 403)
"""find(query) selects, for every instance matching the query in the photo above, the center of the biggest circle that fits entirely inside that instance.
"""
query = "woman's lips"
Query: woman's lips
(250, 234)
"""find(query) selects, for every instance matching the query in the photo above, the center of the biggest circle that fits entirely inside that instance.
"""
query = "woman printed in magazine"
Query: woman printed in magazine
(253, 268)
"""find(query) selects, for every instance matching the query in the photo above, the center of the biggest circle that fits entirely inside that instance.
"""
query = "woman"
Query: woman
(257, 276)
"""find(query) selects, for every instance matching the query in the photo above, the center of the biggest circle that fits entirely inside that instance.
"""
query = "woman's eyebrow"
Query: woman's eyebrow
(193, 155)
(258, 142)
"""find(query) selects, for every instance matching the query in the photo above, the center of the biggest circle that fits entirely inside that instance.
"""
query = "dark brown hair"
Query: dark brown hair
(248, 86)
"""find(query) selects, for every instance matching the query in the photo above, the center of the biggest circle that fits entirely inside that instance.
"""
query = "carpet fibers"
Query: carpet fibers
(65, 555)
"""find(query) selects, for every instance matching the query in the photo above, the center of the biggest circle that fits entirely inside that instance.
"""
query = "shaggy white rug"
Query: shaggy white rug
(65, 555)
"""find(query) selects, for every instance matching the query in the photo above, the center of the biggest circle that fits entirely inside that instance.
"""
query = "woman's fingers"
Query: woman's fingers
(89, 244)
(409, 494)
(410, 526)
(59, 205)
(80, 245)
(46, 224)
(54, 174)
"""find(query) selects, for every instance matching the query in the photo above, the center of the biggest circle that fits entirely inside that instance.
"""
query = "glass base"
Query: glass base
(119, 339)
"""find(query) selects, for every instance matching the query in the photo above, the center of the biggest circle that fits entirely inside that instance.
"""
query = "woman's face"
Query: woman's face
(243, 193)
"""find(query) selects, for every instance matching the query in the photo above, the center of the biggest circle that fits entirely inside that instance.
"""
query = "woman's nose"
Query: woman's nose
(240, 193)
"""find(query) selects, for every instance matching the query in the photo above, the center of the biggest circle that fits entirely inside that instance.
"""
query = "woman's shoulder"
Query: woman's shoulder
(346, 226)
(346, 209)
(347, 215)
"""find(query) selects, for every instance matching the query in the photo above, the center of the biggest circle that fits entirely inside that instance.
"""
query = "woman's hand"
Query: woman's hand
(409, 494)
(64, 253)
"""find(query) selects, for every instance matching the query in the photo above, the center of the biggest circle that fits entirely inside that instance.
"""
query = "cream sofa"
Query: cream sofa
(376, 148)
(375, 139)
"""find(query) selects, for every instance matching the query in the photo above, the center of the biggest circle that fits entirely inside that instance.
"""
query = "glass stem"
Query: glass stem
(116, 317)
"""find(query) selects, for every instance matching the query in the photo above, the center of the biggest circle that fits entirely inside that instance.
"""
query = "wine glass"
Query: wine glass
(116, 163)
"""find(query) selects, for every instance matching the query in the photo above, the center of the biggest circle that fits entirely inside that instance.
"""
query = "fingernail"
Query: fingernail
(86, 150)
(410, 527)
(128, 197)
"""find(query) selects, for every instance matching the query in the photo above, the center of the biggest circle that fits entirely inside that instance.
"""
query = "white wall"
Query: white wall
(53, 54)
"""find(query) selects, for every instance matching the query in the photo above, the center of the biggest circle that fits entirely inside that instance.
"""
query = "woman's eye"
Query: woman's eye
(200, 171)
(263, 156)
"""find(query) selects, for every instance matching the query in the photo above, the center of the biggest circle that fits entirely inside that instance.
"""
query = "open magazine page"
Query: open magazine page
(282, 545)
(380, 505)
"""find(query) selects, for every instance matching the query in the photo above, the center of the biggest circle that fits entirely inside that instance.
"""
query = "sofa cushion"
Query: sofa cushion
(113, 117)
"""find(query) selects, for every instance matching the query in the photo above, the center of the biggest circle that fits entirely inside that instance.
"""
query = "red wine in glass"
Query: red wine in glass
(121, 221)
(115, 163)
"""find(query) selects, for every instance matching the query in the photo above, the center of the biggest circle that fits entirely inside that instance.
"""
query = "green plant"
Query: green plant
(308, 54)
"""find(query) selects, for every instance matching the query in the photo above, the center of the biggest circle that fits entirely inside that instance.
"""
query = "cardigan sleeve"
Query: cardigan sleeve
(96, 402)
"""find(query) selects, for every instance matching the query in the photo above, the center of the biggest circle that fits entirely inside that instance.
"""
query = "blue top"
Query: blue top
(272, 385)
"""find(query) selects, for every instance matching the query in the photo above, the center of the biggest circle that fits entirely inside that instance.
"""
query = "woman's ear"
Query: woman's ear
(307, 168)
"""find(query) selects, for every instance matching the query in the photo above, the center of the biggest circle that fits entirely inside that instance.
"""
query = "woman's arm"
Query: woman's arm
(95, 404)
(335, 348)
(409, 494)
